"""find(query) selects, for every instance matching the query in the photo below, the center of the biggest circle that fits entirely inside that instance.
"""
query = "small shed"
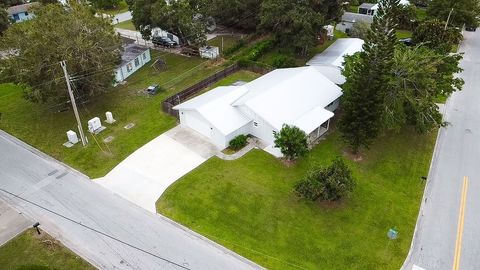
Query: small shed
(209, 52)
(368, 9)
(349, 19)
(133, 58)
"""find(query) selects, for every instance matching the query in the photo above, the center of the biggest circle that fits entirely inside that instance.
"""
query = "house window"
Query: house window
(129, 67)
(255, 124)
(144, 56)
(16, 17)
(26, 13)
(137, 62)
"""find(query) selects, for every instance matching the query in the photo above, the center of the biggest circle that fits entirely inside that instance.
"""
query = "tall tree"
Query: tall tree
(367, 79)
(187, 19)
(89, 45)
(4, 20)
(462, 11)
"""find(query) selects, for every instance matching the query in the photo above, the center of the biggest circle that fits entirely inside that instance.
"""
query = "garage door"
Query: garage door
(198, 125)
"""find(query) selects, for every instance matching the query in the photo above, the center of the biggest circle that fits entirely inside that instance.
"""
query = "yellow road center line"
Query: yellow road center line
(461, 219)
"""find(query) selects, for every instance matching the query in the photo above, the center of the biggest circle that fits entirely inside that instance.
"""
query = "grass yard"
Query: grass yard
(241, 75)
(30, 251)
(248, 205)
(126, 25)
(44, 129)
(352, 8)
(403, 34)
(228, 42)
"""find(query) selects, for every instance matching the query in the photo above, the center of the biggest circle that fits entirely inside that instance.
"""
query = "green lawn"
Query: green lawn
(421, 13)
(30, 251)
(228, 42)
(352, 8)
(403, 34)
(125, 25)
(248, 205)
(44, 129)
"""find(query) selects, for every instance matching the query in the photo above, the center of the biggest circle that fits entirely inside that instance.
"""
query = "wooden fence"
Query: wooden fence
(172, 101)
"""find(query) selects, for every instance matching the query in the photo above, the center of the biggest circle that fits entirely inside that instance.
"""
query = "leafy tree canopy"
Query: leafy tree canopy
(298, 23)
(464, 11)
(4, 20)
(237, 14)
(292, 142)
(433, 34)
(187, 19)
(104, 4)
(89, 45)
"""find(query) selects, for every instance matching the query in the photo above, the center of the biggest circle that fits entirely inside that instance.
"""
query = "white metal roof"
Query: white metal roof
(334, 74)
(285, 95)
(313, 119)
(334, 55)
(215, 107)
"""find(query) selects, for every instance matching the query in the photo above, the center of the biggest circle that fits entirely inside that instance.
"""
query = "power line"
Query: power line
(95, 230)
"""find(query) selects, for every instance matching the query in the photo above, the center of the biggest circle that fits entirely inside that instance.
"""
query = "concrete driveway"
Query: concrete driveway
(144, 175)
(12, 223)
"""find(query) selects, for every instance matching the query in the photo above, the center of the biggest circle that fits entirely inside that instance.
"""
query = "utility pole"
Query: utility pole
(74, 105)
(448, 19)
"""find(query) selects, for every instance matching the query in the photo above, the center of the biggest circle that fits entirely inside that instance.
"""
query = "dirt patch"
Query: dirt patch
(288, 163)
(332, 204)
(47, 241)
(358, 157)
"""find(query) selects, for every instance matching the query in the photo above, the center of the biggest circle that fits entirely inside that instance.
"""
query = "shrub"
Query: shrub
(238, 142)
(237, 46)
(283, 61)
(329, 184)
(292, 142)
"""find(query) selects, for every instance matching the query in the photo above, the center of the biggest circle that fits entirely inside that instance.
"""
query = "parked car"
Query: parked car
(407, 41)
(471, 28)
(152, 89)
(164, 41)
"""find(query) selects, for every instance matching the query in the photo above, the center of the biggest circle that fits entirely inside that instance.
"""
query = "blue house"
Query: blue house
(21, 13)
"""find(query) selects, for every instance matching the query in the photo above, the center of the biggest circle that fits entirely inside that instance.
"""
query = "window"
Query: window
(26, 13)
(137, 62)
(255, 124)
(129, 67)
(144, 56)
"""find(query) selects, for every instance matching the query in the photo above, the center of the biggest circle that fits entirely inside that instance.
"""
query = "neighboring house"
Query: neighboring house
(349, 19)
(302, 97)
(133, 58)
(21, 13)
(330, 61)
(368, 9)
(371, 9)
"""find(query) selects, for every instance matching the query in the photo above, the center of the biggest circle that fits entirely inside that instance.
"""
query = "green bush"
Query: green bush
(237, 46)
(328, 184)
(238, 142)
(292, 142)
(283, 61)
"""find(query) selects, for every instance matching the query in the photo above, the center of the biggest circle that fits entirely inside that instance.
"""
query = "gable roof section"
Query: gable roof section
(284, 96)
(131, 51)
(356, 17)
(215, 107)
(334, 55)
(20, 8)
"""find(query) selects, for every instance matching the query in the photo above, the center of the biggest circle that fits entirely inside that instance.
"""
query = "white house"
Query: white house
(133, 58)
(302, 97)
(330, 61)
(349, 19)
(21, 13)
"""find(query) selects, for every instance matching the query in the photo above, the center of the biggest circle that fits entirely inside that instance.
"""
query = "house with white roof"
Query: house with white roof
(301, 96)
(330, 62)
(22, 12)
(133, 58)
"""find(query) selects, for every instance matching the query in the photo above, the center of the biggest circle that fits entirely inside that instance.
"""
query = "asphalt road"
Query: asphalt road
(448, 229)
(107, 230)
